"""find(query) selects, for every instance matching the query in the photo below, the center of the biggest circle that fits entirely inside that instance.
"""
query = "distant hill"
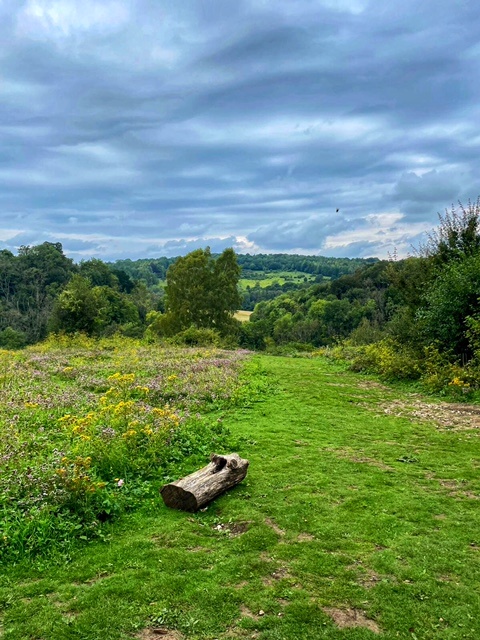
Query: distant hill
(264, 276)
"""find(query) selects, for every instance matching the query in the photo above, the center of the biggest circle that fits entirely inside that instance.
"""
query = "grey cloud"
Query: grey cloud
(309, 234)
(174, 248)
(418, 194)
(255, 120)
(361, 249)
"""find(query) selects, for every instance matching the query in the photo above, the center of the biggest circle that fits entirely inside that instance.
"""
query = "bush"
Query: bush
(12, 339)
(386, 358)
(365, 333)
(197, 337)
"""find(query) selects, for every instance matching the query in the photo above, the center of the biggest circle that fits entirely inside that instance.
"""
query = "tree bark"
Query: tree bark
(199, 488)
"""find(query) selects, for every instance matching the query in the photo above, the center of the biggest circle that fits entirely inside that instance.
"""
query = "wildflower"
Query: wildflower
(120, 483)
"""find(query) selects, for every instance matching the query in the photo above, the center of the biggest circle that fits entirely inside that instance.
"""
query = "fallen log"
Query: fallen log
(199, 488)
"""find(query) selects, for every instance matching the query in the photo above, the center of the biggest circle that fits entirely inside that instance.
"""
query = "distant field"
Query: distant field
(243, 316)
(265, 279)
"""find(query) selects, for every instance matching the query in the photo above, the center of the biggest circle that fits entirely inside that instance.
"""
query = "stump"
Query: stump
(199, 488)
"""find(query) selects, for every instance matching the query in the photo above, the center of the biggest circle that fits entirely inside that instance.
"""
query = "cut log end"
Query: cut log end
(177, 498)
(199, 488)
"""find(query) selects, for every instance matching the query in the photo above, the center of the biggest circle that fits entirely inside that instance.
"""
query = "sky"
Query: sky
(146, 128)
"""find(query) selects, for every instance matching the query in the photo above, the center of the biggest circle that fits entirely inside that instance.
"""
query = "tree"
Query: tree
(452, 293)
(75, 308)
(44, 271)
(457, 236)
(451, 299)
(202, 292)
(99, 273)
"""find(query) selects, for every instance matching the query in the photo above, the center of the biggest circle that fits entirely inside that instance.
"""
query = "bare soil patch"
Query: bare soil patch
(278, 574)
(305, 537)
(232, 529)
(456, 489)
(158, 633)
(246, 613)
(445, 415)
(273, 525)
(369, 579)
(241, 585)
(372, 384)
(347, 618)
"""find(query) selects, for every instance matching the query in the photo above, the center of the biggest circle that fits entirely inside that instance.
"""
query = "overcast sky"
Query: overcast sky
(137, 128)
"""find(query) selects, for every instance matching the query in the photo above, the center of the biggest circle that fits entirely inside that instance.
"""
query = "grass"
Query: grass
(267, 278)
(243, 316)
(348, 515)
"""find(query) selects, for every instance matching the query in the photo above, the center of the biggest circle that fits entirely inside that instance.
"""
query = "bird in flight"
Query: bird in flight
(337, 210)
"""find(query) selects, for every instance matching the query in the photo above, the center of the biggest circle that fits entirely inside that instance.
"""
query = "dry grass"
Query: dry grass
(242, 316)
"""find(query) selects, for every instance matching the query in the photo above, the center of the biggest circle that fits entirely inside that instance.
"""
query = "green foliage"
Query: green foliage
(94, 311)
(75, 309)
(29, 284)
(202, 292)
(197, 337)
(457, 236)
(365, 333)
(323, 313)
(451, 298)
(390, 360)
(12, 339)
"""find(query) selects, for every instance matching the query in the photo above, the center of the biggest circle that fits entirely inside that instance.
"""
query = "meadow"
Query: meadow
(267, 278)
(358, 517)
(89, 429)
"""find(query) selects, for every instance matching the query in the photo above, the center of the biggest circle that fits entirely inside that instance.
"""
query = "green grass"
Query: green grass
(267, 278)
(343, 507)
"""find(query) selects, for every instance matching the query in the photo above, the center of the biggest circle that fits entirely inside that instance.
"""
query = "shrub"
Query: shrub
(12, 339)
(197, 337)
(391, 361)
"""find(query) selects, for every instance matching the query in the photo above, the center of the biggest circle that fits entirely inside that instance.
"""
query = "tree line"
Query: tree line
(42, 291)
(152, 271)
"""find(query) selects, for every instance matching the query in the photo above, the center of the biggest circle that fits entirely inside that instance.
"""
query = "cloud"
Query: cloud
(45, 19)
(304, 234)
(144, 126)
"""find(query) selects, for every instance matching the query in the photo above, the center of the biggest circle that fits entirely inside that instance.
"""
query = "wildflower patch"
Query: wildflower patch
(89, 430)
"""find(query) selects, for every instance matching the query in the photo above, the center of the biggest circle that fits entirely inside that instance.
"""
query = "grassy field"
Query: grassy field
(358, 519)
(243, 316)
(265, 279)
